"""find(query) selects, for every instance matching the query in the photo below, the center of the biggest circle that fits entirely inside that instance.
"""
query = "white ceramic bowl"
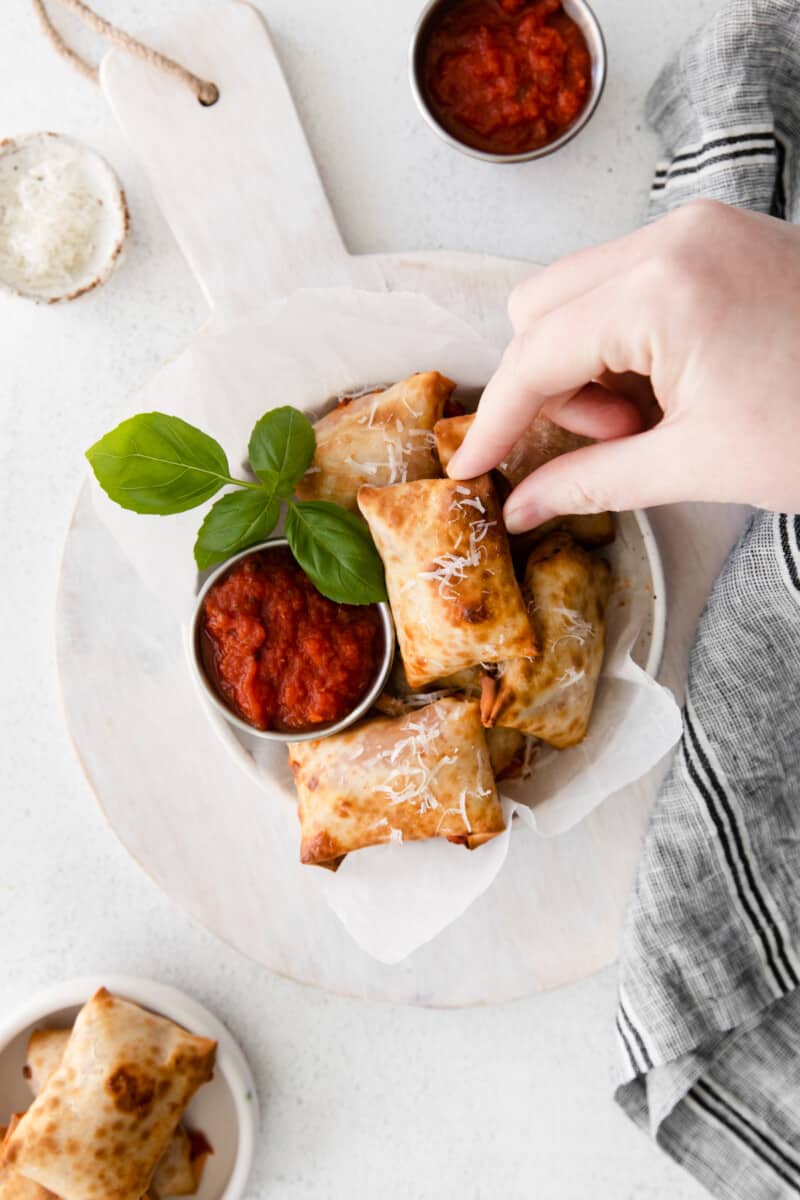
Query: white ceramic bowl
(225, 1110)
(24, 154)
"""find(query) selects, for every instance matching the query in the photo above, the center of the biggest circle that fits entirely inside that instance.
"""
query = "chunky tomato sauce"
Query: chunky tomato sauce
(281, 654)
(506, 76)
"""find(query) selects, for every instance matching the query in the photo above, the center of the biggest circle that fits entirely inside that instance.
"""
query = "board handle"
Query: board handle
(236, 180)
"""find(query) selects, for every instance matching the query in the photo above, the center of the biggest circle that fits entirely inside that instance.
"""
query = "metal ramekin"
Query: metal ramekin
(587, 22)
(274, 735)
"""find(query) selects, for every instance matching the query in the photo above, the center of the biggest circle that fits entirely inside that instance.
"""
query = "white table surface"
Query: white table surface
(359, 1100)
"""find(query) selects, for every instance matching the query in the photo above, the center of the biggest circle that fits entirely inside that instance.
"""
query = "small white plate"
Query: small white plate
(225, 1110)
(25, 154)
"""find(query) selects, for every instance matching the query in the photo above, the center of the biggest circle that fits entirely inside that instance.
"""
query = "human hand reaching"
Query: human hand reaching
(705, 304)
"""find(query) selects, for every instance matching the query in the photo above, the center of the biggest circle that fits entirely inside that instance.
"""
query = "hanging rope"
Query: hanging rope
(207, 93)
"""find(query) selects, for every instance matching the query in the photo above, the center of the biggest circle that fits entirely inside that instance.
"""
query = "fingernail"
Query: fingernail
(453, 468)
(515, 520)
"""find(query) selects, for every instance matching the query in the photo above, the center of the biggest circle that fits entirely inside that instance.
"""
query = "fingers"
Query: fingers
(605, 329)
(649, 468)
(597, 412)
(575, 274)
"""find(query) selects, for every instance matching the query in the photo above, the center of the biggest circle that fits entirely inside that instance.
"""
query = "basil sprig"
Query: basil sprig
(157, 464)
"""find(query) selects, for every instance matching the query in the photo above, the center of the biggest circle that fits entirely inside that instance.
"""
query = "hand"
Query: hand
(705, 303)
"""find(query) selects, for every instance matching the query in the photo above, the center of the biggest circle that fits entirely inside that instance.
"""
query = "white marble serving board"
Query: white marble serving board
(242, 195)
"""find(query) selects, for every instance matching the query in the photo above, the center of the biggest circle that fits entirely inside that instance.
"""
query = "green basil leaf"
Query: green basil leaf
(335, 550)
(153, 463)
(282, 445)
(238, 520)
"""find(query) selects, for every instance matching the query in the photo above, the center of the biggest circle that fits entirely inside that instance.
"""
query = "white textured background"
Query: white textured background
(359, 1101)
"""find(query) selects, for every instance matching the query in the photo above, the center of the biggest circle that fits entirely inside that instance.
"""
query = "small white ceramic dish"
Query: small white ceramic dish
(225, 1110)
(77, 166)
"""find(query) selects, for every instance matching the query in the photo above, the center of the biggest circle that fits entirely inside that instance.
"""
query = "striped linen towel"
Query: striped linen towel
(709, 1008)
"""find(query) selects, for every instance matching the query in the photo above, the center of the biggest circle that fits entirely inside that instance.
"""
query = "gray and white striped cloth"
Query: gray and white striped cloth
(709, 1011)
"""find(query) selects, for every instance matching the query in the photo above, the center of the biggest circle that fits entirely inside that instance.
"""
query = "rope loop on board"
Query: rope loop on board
(205, 91)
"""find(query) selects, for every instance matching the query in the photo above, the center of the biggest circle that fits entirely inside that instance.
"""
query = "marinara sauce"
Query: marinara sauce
(282, 655)
(505, 76)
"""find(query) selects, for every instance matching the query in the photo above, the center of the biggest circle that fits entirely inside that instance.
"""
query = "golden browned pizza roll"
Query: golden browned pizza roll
(542, 441)
(505, 749)
(423, 775)
(454, 596)
(180, 1170)
(551, 697)
(14, 1186)
(382, 438)
(44, 1054)
(124, 1080)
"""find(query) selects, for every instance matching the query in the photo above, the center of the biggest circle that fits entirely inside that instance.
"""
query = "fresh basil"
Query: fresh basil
(335, 550)
(238, 520)
(282, 445)
(153, 463)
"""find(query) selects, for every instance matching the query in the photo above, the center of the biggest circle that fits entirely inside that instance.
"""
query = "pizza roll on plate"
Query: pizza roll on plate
(423, 775)
(454, 596)
(551, 697)
(122, 1085)
(178, 1173)
(542, 441)
(14, 1186)
(381, 438)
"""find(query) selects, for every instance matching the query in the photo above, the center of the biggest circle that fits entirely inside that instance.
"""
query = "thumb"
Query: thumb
(649, 468)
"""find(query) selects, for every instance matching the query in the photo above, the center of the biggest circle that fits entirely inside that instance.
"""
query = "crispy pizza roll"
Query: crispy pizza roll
(180, 1170)
(506, 747)
(124, 1080)
(423, 775)
(381, 438)
(14, 1186)
(454, 596)
(551, 697)
(43, 1056)
(542, 441)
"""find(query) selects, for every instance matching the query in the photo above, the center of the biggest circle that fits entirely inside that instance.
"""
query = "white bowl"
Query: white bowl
(225, 1110)
(110, 228)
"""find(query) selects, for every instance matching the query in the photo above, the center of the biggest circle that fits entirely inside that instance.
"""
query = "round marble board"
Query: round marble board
(197, 819)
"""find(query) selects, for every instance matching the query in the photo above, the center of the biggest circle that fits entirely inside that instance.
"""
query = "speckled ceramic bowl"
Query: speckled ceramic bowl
(23, 156)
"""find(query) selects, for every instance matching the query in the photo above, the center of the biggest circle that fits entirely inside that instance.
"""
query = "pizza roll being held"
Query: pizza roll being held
(542, 441)
(180, 1170)
(454, 596)
(122, 1085)
(394, 779)
(551, 697)
(381, 438)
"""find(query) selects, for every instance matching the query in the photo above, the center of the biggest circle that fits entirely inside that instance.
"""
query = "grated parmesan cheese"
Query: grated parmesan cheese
(48, 223)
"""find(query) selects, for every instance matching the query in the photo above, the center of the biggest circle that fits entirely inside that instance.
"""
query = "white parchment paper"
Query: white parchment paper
(303, 351)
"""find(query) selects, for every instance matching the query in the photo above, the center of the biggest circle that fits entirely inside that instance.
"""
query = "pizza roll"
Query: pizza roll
(542, 441)
(14, 1186)
(551, 697)
(506, 748)
(423, 775)
(180, 1170)
(381, 438)
(124, 1080)
(454, 596)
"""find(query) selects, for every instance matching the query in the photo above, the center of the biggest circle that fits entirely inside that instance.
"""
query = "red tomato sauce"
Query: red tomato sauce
(279, 653)
(506, 76)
